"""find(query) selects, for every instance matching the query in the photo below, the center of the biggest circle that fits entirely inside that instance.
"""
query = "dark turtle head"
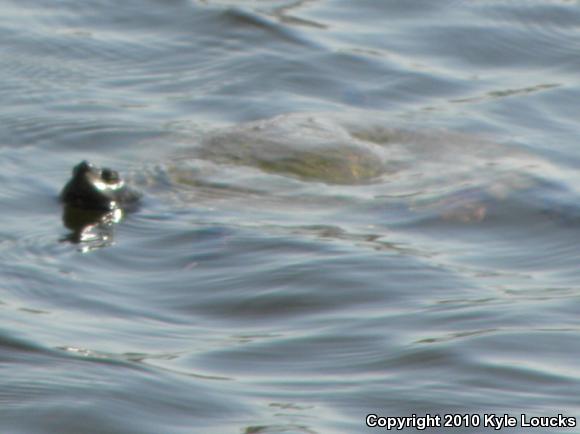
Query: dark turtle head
(92, 188)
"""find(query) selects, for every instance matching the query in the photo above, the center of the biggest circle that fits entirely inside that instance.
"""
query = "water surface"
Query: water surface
(349, 208)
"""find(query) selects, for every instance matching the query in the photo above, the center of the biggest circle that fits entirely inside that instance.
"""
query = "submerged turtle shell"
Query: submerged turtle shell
(303, 147)
(456, 176)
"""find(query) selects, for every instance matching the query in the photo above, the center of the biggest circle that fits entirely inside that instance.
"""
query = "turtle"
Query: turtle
(325, 164)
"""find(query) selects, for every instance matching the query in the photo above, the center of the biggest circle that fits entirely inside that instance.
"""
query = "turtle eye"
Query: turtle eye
(110, 175)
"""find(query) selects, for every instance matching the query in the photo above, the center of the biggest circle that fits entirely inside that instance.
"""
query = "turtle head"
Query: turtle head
(93, 188)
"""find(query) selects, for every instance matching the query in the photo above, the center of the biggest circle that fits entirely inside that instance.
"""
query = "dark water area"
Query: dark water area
(348, 208)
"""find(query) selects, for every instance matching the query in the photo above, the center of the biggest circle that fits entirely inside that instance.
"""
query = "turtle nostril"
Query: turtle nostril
(81, 168)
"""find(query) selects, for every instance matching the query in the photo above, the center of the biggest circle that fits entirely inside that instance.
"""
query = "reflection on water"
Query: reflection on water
(90, 228)
(349, 208)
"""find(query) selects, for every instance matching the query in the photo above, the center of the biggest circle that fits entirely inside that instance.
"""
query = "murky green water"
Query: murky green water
(349, 208)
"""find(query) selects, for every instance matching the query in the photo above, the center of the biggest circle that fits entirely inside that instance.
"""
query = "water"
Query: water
(349, 208)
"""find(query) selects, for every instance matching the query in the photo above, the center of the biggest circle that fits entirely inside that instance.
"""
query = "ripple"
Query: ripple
(514, 34)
